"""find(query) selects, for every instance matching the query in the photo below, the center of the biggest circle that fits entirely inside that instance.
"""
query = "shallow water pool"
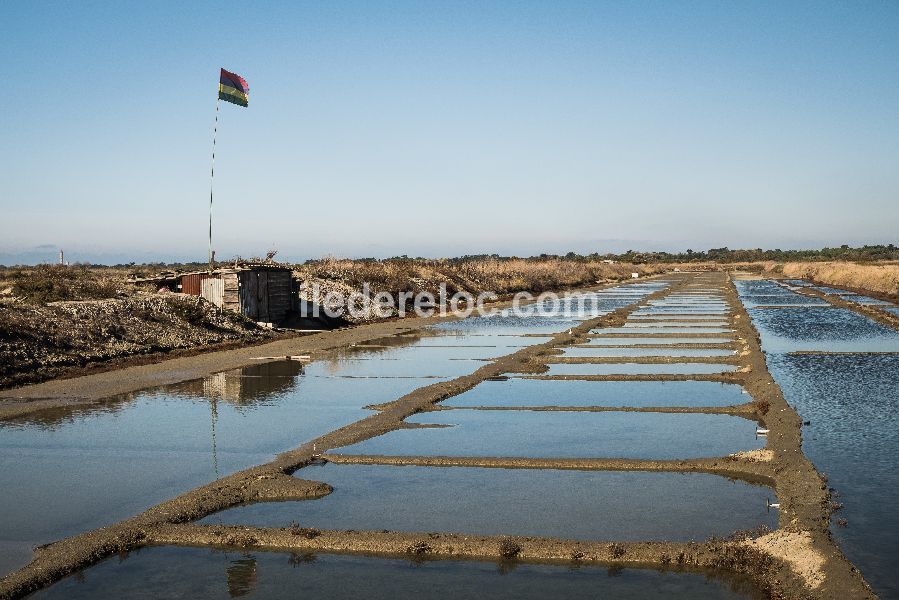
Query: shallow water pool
(581, 351)
(545, 392)
(172, 572)
(565, 435)
(570, 504)
(637, 368)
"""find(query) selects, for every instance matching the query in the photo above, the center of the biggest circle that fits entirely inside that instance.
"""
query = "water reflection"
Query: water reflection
(242, 387)
(245, 386)
(172, 572)
(241, 576)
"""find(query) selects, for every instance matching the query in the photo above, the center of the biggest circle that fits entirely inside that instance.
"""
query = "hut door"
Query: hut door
(262, 297)
(213, 289)
(248, 294)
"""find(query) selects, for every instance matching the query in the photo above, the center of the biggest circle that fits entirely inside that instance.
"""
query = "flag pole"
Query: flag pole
(212, 178)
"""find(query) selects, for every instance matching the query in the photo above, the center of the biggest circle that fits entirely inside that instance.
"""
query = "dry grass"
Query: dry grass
(881, 278)
(52, 283)
(539, 275)
(502, 276)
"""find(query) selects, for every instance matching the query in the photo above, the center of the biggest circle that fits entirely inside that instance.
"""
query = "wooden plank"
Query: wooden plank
(262, 296)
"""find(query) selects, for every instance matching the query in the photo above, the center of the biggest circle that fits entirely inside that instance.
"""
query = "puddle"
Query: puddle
(662, 306)
(656, 309)
(656, 341)
(648, 316)
(682, 324)
(566, 435)
(759, 287)
(543, 392)
(660, 330)
(67, 471)
(851, 401)
(781, 300)
(637, 369)
(866, 300)
(581, 351)
(470, 500)
(443, 340)
(831, 290)
(172, 572)
(499, 325)
(831, 329)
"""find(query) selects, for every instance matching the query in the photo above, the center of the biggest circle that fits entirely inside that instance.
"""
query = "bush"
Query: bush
(509, 548)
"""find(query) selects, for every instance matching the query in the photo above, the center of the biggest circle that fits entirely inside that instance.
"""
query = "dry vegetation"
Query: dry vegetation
(502, 276)
(881, 278)
(52, 283)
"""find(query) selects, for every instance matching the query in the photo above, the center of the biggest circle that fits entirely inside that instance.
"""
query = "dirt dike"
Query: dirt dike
(720, 555)
(732, 467)
(747, 410)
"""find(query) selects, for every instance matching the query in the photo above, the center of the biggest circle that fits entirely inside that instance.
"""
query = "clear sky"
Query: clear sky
(444, 128)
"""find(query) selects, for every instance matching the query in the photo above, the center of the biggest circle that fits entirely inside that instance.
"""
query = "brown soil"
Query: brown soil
(39, 342)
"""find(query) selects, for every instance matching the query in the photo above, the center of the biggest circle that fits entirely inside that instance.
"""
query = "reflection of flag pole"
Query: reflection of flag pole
(234, 89)
(215, 416)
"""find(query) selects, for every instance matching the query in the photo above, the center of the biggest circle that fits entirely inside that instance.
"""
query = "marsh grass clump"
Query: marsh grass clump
(616, 550)
(241, 540)
(509, 548)
(418, 548)
(762, 406)
(310, 533)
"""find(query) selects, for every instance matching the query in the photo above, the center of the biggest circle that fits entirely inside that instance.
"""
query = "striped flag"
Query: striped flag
(233, 88)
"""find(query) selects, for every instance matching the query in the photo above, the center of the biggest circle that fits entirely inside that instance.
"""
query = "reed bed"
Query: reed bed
(879, 278)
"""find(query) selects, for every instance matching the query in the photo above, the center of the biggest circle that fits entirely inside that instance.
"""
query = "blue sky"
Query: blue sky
(445, 128)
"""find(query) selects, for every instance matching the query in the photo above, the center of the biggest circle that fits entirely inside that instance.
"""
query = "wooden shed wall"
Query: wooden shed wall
(231, 292)
(213, 289)
(279, 296)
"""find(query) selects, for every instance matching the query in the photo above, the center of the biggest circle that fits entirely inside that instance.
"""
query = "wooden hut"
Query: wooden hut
(262, 293)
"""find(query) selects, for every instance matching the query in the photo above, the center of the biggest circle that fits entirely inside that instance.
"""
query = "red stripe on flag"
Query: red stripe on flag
(235, 81)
